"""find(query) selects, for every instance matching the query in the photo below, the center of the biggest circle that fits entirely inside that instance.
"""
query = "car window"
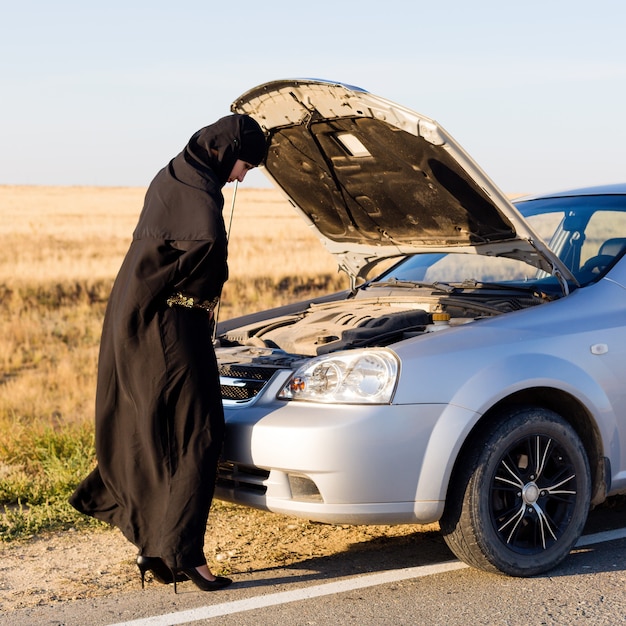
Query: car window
(586, 232)
(603, 226)
(459, 268)
(546, 225)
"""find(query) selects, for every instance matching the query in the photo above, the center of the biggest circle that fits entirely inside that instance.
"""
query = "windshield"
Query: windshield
(588, 233)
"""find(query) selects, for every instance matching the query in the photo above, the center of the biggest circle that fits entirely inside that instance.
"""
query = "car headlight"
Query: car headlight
(354, 377)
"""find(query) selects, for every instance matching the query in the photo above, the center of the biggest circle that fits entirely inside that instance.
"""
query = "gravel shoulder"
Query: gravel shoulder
(71, 565)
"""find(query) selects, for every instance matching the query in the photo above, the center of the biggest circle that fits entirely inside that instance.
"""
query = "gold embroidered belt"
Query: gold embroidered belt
(189, 302)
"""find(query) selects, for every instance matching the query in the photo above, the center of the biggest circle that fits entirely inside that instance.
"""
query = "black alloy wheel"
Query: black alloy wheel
(520, 501)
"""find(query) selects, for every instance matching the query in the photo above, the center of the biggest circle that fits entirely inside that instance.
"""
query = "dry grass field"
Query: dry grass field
(82, 233)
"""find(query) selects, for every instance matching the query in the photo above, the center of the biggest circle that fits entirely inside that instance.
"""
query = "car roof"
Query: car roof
(597, 190)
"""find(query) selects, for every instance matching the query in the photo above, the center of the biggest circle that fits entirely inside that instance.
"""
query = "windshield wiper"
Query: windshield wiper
(475, 284)
(394, 282)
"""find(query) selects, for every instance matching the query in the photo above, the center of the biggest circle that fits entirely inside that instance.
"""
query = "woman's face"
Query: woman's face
(239, 171)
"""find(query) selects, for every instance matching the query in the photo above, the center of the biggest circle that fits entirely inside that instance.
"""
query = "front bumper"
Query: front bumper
(353, 464)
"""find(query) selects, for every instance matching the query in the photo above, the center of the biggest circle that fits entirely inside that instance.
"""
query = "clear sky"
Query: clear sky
(105, 93)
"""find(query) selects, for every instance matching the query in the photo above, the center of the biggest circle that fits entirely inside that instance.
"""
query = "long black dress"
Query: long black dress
(159, 416)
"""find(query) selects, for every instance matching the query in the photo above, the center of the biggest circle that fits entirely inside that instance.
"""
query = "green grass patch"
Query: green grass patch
(39, 468)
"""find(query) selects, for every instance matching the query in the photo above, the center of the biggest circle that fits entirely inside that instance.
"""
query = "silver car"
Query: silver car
(473, 374)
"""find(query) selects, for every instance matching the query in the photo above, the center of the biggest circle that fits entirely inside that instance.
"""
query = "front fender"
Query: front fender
(493, 384)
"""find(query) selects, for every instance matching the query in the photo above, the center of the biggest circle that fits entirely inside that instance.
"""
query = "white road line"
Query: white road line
(304, 593)
(340, 586)
(607, 535)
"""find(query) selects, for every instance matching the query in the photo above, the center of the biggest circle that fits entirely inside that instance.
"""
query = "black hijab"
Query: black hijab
(184, 196)
(219, 145)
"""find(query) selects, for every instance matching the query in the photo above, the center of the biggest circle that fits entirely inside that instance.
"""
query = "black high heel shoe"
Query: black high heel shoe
(159, 569)
(204, 584)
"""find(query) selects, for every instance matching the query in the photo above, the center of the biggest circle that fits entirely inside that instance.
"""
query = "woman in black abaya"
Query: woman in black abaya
(159, 416)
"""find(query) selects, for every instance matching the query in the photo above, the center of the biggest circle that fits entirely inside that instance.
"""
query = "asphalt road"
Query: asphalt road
(412, 580)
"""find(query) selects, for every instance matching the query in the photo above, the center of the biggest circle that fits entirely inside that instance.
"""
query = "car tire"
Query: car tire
(520, 498)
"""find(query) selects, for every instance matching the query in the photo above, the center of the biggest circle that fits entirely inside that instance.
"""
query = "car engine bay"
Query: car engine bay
(365, 321)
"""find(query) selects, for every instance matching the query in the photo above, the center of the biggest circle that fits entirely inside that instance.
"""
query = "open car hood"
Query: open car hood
(377, 180)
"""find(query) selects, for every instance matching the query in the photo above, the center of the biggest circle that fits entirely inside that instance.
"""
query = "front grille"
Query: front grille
(239, 390)
(242, 383)
(241, 478)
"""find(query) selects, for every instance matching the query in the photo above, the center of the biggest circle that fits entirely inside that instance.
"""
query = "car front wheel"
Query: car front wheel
(519, 500)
